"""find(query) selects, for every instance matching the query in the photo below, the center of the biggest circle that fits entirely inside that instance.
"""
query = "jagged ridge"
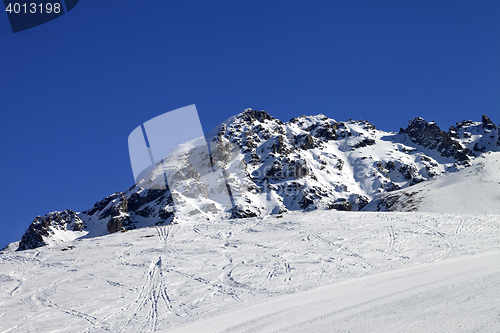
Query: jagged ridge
(307, 163)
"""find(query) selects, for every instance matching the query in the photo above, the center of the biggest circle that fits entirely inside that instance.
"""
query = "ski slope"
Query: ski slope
(426, 298)
(320, 271)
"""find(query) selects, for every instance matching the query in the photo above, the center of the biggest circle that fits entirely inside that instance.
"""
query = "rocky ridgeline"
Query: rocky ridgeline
(43, 228)
(429, 135)
(307, 163)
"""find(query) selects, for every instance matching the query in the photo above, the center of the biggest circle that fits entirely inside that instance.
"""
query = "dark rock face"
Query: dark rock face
(429, 135)
(278, 147)
(119, 209)
(464, 123)
(358, 202)
(408, 171)
(340, 165)
(452, 132)
(306, 202)
(145, 212)
(487, 123)
(250, 115)
(115, 224)
(343, 131)
(286, 168)
(389, 187)
(305, 141)
(416, 180)
(166, 213)
(425, 134)
(43, 227)
(478, 148)
(403, 201)
(240, 213)
(137, 200)
(341, 205)
(100, 205)
(363, 143)
(462, 155)
(324, 132)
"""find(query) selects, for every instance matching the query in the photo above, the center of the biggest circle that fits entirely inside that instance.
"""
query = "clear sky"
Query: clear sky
(73, 89)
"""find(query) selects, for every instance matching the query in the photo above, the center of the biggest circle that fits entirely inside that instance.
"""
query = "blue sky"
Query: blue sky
(73, 89)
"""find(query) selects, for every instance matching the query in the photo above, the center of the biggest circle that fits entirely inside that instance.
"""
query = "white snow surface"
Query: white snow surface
(11, 247)
(473, 190)
(321, 271)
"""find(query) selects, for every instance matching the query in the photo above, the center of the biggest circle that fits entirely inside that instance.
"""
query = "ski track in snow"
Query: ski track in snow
(181, 275)
(47, 303)
(441, 237)
(166, 232)
(391, 242)
(152, 295)
(26, 265)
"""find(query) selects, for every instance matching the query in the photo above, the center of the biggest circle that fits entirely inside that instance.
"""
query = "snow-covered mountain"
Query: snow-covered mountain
(281, 227)
(260, 165)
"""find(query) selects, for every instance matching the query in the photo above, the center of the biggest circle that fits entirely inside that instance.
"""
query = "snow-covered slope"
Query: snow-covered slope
(321, 271)
(473, 190)
(440, 299)
(259, 166)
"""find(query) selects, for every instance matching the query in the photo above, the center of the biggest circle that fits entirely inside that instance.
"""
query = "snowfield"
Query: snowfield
(322, 271)
(473, 190)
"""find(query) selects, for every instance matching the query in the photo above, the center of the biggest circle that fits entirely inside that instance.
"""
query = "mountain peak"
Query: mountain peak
(429, 135)
(250, 115)
(487, 123)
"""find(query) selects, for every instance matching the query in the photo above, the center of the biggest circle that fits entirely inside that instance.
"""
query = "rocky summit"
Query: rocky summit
(267, 166)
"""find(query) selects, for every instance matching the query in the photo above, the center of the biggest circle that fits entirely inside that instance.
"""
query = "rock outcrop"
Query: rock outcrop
(429, 135)
(487, 123)
(42, 228)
